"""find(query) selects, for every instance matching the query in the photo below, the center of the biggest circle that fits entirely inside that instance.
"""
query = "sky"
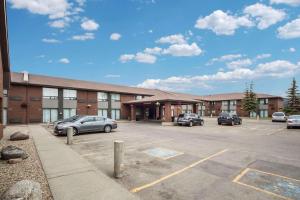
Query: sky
(197, 47)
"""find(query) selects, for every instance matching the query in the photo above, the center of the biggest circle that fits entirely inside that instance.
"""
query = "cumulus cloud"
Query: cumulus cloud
(290, 30)
(183, 50)
(138, 57)
(222, 23)
(292, 49)
(241, 63)
(172, 39)
(263, 56)
(64, 61)
(50, 40)
(58, 23)
(277, 68)
(89, 25)
(154, 50)
(264, 16)
(288, 2)
(83, 37)
(53, 8)
(115, 36)
(224, 58)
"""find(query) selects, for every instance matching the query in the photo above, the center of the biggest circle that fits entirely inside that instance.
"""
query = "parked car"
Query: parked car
(85, 124)
(278, 117)
(70, 119)
(228, 118)
(293, 121)
(189, 119)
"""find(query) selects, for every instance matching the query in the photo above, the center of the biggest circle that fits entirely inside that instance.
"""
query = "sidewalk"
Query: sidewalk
(69, 175)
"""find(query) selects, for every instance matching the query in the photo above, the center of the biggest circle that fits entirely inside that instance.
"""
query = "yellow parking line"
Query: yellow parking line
(238, 177)
(275, 175)
(137, 189)
(261, 190)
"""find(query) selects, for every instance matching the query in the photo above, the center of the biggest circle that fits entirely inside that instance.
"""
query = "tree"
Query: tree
(293, 99)
(250, 100)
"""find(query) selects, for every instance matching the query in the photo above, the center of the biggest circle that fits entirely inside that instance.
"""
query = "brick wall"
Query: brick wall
(275, 104)
(125, 109)
(16, 104)
(85, 99)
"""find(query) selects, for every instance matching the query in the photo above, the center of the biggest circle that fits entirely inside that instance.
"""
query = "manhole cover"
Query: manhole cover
(162, 153)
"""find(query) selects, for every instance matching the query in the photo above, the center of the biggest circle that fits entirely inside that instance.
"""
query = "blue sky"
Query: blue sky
(199, 47)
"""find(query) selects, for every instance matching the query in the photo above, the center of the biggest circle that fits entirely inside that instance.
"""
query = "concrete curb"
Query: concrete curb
(69, 175)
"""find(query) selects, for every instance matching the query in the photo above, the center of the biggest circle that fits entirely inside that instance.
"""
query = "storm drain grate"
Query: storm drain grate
(162, 153)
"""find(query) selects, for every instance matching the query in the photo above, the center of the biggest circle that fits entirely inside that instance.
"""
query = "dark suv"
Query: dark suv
(230, 119)
(189, 119)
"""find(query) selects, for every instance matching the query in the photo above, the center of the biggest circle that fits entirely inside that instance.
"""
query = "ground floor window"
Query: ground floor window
(102, 112)
(252, 114)
(4, 117)
(201, 112)
(115, 114)
(263, 113)
(69, 112)
(49, 115)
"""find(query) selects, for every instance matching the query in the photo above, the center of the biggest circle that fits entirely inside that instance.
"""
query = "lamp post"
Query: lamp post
(157, 110)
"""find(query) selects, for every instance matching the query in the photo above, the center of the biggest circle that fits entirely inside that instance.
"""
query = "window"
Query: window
(263, 113)
(101, 119)
(263, 101)
(69, 112)
(115, 114)
(70, 94)
(102, 96)
(102, 112)
(233, 102)
(224, 103)
(88, 119)
(115, 97)
(49, 115)
(138, 97)
(50, 93)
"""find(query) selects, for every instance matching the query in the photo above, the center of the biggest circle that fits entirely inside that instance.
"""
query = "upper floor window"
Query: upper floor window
(115, 97)
(224, 103)
(70, 94)
(263, 101)
(138, 97)
(233, 102)
(50, 93)
(102, 96)
(5, 93)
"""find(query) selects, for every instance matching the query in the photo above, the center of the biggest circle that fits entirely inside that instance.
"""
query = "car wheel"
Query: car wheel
(240, 122)
(190, 124)
(107, 129)
(75, 131)
(219, 123)
(201, 123)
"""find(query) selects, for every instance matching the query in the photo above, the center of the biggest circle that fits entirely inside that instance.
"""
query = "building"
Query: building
(4, 68)
(36, 98)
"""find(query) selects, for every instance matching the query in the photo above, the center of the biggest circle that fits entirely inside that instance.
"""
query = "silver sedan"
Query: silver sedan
(293, 121)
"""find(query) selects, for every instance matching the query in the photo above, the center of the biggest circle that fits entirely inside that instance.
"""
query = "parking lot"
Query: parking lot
(257, 160)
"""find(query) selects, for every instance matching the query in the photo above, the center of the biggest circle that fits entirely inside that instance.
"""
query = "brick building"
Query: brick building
(4, 68)
(36, 98)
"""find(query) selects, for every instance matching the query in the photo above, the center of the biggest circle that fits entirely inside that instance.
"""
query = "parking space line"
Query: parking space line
(86, 142)
(239, 176)
(137, 189)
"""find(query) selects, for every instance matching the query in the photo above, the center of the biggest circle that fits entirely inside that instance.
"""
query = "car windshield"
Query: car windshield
(223, 114)
(72, 119)
(294, 117)
(278, 114)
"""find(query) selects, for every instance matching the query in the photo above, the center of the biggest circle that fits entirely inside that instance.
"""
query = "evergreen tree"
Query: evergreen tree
(250, 100)
(293, 99)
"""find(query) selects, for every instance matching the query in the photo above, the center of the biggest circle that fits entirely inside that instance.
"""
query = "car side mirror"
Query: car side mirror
(82, 122)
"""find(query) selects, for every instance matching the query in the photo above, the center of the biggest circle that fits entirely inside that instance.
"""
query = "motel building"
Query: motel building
(43, 99)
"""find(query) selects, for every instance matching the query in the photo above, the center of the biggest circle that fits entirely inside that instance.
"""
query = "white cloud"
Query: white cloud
(154, 50)
(222, 23)
(183, 50)
(288, 2)
(112, 76)
(224, 58)
(126, 57)
(85, 36)
(50, 40)
(172, 39)
(145, 58)
(277, 68)
(241, 63)
(292, 49)
(53, 8)
(263, 56)
(64, 60)
(58, 23)
(115, 36)
(265, 16)
(139, 57)
(81, 2)
(89, 25)
(290, 30)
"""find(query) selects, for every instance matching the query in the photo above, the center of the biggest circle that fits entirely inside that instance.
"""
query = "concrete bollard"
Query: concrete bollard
(257, 117)
(70, 135)
(118, 158)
